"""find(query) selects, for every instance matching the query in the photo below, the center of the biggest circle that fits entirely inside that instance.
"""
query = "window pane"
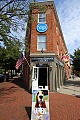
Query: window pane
(42, 38)
(41, 42)
(41, 15)
(42, 20)
(41, 45)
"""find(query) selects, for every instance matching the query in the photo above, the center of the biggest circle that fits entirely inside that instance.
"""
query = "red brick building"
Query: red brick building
(47, 46)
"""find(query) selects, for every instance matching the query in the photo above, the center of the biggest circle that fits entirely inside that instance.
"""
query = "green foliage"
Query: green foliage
(76, 62)
(12, 19)
(9, 55)
(13, 16)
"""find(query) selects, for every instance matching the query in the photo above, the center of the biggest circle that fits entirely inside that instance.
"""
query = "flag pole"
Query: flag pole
(26, 59)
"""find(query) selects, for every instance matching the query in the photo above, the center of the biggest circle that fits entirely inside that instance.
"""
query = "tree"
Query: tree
(9, 56)
(76, 62)
(13, 22)
(13, 19)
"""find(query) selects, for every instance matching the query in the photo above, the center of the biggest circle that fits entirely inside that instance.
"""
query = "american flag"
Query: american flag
(19, 61)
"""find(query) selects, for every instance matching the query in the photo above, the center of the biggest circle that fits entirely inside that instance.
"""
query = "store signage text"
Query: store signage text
(42, 59)
(42, 27)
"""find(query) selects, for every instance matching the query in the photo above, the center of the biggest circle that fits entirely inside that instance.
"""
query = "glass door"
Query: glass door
(35, 78)
(40, 77)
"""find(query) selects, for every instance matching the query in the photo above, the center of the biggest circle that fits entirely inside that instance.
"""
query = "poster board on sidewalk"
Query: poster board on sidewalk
(40, 105)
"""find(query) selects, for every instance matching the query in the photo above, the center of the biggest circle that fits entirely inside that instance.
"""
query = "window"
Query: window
(41, 42)
(41, 17)
(57, 29)
(60, 39)
(57, 49)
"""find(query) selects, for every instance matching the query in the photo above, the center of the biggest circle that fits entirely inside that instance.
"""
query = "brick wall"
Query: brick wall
(55, 40)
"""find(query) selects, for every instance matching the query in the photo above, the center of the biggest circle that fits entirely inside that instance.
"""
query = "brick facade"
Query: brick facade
(54, 38)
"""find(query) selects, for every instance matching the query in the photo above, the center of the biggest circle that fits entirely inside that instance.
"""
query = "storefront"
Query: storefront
(48, 69)
(47, 46)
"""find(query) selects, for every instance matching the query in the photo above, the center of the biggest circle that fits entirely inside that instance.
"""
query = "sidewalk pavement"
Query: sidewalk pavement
(15, 103)
(71, 87)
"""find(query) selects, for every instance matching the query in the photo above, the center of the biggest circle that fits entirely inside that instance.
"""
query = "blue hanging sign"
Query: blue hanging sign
(42, 27)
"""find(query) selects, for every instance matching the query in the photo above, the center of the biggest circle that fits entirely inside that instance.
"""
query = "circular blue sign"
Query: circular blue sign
(42, 27)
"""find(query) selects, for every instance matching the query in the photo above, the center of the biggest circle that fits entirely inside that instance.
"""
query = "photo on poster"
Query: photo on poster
(40, 105)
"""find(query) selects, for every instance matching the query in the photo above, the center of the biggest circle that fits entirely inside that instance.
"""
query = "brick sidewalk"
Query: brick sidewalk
(15, 104)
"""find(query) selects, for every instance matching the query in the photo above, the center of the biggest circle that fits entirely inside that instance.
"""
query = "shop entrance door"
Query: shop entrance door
(40, 77)
(43, 76)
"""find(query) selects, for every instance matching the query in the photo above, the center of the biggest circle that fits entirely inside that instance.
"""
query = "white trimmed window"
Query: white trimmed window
(41, 17)
(57, 30)
(57, 49)
(41, 42)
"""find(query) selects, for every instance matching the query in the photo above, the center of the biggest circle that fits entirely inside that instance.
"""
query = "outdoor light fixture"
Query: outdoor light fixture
(42, 50)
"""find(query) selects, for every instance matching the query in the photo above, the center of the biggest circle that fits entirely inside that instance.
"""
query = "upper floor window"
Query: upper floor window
(57, 29)
(41, 17)
(57, 49)
(41, 42)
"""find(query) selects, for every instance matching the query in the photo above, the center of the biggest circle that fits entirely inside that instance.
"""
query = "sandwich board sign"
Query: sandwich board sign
(40, 102)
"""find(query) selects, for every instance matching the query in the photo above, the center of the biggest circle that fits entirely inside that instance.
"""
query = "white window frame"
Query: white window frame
(42, 17)
(35, 73)
(57, 49)
(41, 42)
(57, 30)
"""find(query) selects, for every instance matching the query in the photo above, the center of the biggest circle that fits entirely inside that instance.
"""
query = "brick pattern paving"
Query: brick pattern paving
(15, 104)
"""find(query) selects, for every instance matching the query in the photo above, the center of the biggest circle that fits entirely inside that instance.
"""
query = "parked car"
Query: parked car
(1, 77)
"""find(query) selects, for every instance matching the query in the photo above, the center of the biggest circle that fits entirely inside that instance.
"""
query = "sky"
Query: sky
(69, 16)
